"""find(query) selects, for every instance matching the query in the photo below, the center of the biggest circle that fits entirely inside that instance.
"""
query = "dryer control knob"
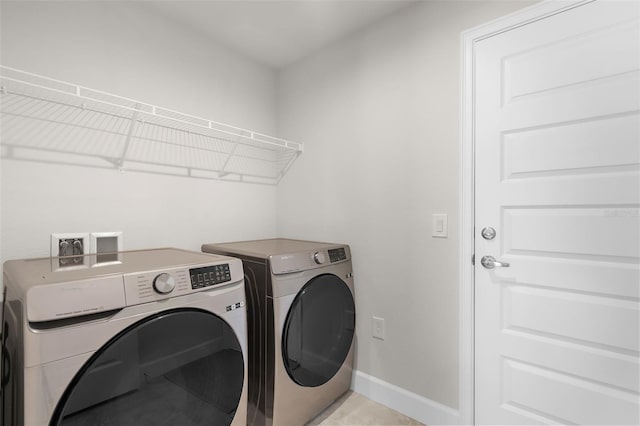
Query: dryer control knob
(319, 258)
(164, 283)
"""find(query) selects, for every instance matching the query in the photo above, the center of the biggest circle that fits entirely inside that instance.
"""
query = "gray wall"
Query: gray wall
(379, 115)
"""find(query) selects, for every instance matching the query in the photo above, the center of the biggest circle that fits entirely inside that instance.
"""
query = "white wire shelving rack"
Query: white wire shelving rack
(48, 120)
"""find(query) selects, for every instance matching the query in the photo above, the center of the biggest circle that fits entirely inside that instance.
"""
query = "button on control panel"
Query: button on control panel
(209, 275)
(336, 255)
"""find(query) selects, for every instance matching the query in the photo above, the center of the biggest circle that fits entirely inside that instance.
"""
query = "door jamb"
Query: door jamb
(467, 185)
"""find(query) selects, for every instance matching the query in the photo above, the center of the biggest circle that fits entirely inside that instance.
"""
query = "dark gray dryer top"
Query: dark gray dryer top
(285, 255)
(266, 248)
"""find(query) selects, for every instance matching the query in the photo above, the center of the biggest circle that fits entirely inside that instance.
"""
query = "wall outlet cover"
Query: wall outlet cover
(378, 328)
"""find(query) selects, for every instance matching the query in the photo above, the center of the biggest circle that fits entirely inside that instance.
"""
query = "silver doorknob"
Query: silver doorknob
(490, 262)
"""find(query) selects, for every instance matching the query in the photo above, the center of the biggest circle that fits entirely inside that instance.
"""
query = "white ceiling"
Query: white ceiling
(277, 33)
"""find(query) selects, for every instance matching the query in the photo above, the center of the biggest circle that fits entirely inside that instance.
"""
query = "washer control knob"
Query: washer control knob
(319, 258)
(164, 283)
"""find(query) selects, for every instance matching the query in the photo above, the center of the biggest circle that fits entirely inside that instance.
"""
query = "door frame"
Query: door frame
(467, 185)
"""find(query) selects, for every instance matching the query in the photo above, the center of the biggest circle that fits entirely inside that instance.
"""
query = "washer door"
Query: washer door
(318, 330)
(178, 367)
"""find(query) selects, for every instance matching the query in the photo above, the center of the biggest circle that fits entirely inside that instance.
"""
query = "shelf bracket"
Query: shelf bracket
(223, 173)
(286, 168)
(132, 128)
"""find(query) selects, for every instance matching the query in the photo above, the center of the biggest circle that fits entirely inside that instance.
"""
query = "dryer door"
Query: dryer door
(318, 330)
(179, 367)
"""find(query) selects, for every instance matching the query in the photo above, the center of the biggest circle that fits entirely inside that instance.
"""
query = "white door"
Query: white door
(557, 163)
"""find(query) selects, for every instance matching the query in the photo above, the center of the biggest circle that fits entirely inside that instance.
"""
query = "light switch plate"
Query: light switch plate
(440, 225)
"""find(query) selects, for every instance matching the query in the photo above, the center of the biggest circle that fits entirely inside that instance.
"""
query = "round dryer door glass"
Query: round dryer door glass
(180, 367)
(318, 330)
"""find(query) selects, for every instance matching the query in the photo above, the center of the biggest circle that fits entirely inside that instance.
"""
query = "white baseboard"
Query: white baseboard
(408, 403)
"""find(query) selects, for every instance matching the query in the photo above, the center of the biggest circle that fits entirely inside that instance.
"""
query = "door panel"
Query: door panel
(607, 144)
(570, 316)
(523, 383)
(557, 174)
(541, 69)
(607, 237)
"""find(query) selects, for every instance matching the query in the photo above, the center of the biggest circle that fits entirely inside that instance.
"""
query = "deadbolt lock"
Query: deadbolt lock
(488, 233)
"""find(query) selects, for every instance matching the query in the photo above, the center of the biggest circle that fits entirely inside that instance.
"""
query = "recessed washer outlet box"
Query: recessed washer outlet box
(69, 244)
(69, 249)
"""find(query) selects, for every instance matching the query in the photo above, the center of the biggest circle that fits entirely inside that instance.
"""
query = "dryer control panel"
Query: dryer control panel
(336, 255)
(305, 261)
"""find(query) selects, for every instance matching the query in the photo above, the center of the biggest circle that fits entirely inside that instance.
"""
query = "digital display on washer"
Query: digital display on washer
(336, 255)
(209, 275)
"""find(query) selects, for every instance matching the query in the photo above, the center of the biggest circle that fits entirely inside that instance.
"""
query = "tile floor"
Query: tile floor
(353, 409)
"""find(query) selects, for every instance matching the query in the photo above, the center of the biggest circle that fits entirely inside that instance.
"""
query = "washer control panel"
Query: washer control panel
(164, 283)
(210, 275)
(336, 255)
(149, 286)
(146, 287)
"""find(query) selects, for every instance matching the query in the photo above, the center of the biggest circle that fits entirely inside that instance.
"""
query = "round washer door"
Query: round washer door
(318, 330)
(179, 367)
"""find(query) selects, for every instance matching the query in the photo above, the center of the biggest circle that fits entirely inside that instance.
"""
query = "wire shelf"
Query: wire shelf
(49, 120)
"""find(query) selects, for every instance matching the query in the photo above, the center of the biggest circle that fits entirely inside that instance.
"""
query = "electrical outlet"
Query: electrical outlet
(378, 328)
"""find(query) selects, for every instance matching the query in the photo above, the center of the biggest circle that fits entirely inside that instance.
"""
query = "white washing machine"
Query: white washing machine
(301, 315)
(152, 337)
